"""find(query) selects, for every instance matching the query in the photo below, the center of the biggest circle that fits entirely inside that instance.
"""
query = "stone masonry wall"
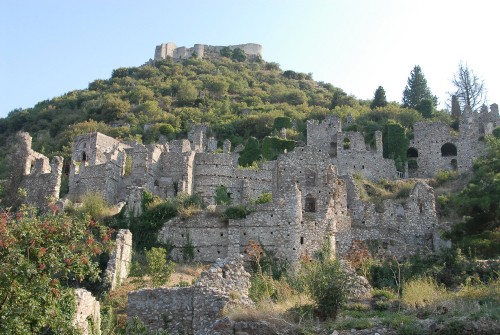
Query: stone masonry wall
(87, 307)
(409, 225)
(32, 172)
(192, 310)
(212, 170)
(118, 267)
(165, 50)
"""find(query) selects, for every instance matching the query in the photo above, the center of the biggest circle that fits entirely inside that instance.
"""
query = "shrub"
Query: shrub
(222, 196)
(188, 205)
(94, 205)
(159, 268)
(327, 284)
(421, 292)
(137, 327)
(236, 212)
(443, 176)
(264, 198)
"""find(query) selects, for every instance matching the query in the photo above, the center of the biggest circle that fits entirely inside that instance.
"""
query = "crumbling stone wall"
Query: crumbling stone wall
(400, 227)
(87, 317)
(32, 172)
(97, 166)
(437, 147)
(348, 150)
(192, 310)
(118, 267)
(308, 203)
(212, 170)
(162, 51)
(358, 157)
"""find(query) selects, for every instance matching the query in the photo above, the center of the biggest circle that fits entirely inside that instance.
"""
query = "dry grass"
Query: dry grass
(421, 292)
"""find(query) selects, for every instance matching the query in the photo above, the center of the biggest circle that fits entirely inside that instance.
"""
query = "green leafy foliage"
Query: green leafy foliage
(236, 212)
(395, 143)
(478, 202)
(272, 146)
(379, 100)
(327, 284)
(159, 268)
(222, 196)
(282, 122)
(251, 153)
(41, 255)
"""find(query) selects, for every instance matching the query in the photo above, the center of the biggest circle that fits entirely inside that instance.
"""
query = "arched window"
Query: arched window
(412, 153)
(448, 149)
(310, 205)
(84, 157)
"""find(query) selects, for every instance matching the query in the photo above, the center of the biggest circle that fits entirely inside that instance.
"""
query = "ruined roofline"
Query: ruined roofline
(170, 49)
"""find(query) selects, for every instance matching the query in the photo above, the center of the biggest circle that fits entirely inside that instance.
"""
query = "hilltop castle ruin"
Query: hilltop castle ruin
(164, 50)
(314, 194)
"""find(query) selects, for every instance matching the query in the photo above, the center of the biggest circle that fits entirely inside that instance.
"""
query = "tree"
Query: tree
(379, 100)
(470, 88)
(40, 257)
(251, 153)
(478, 203)
(417, 90)
(159, 267)
(239, 55)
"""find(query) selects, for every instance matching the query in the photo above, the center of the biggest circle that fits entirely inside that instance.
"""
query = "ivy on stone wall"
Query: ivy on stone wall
(272, 146)
(395, 143)
(282, 122)
(251, 153)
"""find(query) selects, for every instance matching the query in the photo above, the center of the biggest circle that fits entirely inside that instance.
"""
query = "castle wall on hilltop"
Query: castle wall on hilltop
(165, 50)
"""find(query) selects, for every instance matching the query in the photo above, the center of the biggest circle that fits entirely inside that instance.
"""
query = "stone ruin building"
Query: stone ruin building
(314, 195)
(164, 50)
(436, 146)
(193, 309)
(35, 180)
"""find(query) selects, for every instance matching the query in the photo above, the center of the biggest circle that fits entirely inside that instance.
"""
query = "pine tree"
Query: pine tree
(379, 100)
(417, 90)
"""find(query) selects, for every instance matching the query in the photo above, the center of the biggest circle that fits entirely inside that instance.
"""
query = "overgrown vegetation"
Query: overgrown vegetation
(384, 189)
(42, 257)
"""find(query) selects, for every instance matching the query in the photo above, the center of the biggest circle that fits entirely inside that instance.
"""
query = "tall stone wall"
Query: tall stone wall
(212, 170)
(33, 172)
(437, 147)
(358, 158)
(118, 267)
(192, 310)
(429, 138)
(87, 317)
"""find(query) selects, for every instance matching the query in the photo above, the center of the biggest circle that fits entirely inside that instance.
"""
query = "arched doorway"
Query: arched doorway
(448, 150)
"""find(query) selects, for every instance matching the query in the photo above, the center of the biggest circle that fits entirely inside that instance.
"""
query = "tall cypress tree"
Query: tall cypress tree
(379, 100)
(417, 90)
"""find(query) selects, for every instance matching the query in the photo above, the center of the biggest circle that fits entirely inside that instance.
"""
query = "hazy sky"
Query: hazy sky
(51, 47)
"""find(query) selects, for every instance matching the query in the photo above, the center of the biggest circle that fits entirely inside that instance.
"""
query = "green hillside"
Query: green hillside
(236, 99)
